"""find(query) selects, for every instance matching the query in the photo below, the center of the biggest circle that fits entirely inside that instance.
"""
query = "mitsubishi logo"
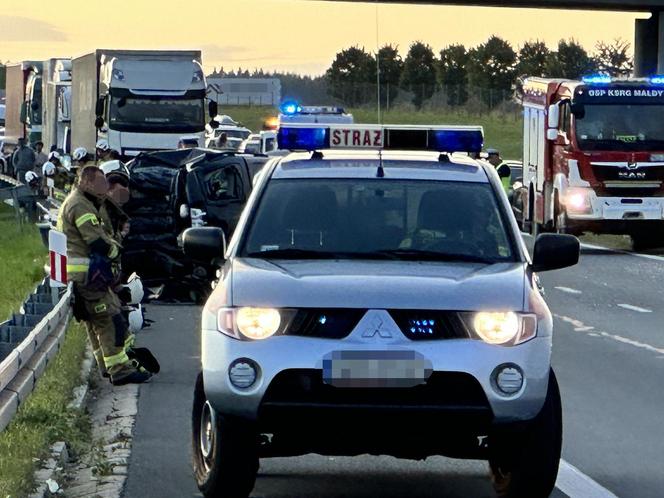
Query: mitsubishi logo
(376, 327)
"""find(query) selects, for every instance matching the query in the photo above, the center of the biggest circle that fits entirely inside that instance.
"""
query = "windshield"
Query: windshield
(241, 134)
(621, 127)
(162, 114)
(36, 113)
(357, 219)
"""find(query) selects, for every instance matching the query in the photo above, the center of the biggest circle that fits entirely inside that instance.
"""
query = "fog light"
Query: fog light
(508, 379)
(242, 373)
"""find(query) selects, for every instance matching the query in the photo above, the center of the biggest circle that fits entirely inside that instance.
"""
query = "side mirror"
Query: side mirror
(99, 122)
(204, 243)
(213, 108)
(214, 124)
(504, 171)
(552, 134)
(99, 107)
(555, 251)
(554, 116)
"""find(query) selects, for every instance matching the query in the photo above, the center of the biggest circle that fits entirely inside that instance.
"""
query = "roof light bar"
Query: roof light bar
(597, 79)
(386, 137)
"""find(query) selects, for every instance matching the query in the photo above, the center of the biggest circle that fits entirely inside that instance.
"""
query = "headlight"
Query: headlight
(248, 322)
(578, 200)
(502, 327)
(257, 323)
(496, 328)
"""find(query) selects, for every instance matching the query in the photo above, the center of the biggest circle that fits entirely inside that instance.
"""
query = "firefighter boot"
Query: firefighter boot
(96, 351)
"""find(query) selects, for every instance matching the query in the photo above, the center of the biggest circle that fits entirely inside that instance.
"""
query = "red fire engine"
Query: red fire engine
(593, 157)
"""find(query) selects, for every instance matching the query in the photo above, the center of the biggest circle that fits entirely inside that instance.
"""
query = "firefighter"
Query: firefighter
(493, 157)
(90, 252)
(117, 224)
(103, 151)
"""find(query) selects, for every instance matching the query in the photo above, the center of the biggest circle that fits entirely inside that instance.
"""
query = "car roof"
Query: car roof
(403, 165)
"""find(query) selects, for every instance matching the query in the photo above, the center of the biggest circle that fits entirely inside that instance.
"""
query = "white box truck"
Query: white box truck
(56, 104)
(139, 100)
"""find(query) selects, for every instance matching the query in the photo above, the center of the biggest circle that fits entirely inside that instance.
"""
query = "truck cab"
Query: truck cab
(594, 156)
(140, 101)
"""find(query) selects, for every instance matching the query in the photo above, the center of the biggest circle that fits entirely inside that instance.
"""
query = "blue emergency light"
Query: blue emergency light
(290, 107)
(657, 79)
(308, 137)
(597, 79)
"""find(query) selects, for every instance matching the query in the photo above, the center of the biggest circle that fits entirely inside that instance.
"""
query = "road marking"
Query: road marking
(621, 251)
(579, 326)
(569, 290)
(635, 308)
(576, 484)
(632, 342)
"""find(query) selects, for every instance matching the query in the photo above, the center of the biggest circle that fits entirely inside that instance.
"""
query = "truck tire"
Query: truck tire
(643, 240)
(224, 451)
(529, 468)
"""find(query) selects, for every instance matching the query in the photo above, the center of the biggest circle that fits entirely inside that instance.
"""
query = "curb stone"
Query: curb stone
(103, 472)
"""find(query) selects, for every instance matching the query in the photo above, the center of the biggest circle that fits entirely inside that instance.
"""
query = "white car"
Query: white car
(378, 301)
(259, 143)
(235, 135)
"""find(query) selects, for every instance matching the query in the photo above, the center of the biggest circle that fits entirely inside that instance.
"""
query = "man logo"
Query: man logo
(376, 327)
(632, 165)
(632, 175)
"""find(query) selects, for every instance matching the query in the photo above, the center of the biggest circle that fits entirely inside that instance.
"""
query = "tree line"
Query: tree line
(493, 65)
(494, 69)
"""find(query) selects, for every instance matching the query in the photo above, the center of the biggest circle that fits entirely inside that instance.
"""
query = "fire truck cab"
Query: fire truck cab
(593, 154)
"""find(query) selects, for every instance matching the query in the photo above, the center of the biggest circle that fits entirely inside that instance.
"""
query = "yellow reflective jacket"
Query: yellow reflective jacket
(84, 224)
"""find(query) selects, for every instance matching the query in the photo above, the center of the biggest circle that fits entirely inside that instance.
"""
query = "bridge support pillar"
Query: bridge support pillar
(649, 45)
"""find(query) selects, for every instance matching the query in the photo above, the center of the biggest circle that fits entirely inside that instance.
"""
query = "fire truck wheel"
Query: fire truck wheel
(642, 241)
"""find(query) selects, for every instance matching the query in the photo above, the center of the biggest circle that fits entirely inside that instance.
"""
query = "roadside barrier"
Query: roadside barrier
(28, 341)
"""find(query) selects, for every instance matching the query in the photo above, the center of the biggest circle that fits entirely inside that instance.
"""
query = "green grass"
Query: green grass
(22, 257)
(501, 131)
(44, 418)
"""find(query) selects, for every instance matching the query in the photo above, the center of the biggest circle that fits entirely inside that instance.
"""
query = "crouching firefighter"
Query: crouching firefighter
(91, 252)
(116, 224)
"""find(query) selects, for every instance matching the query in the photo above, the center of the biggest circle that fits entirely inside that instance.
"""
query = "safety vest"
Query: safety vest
(83, 224)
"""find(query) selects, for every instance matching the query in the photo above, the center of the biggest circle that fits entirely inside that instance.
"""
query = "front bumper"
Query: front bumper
(625, 209)
(472, 360)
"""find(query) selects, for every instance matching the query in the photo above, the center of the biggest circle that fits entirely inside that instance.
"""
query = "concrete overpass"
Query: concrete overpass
(648, 33)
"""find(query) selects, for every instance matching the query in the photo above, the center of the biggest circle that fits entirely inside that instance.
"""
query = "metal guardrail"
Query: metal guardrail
(28, 341)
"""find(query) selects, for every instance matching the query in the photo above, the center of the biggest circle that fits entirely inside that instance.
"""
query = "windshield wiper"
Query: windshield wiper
(424, 255)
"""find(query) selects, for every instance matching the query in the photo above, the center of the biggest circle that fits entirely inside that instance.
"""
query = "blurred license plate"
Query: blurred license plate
(375, 369)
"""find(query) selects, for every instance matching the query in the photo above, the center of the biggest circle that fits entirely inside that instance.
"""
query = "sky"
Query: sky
(300, 36)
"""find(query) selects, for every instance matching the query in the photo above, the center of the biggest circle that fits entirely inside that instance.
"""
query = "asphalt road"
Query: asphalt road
(608, 355)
